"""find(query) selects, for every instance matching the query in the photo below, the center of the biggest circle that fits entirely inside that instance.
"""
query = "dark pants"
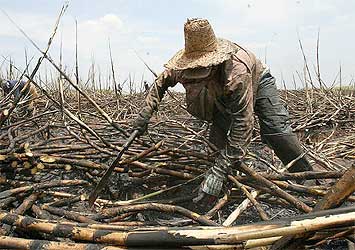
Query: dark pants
(273, 115)
(274, 123)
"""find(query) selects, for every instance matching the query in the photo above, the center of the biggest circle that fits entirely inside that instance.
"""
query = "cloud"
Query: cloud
(156, 34)
(104, 25)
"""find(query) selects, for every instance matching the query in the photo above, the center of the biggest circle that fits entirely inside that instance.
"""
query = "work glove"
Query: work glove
(214, 180)
(141, 122)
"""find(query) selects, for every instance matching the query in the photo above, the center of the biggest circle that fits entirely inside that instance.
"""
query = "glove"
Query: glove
(213, 183)
(141, 122)
(216, 176)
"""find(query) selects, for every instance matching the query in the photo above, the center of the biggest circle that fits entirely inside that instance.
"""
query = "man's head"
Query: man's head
(6, 86)
(202, 47)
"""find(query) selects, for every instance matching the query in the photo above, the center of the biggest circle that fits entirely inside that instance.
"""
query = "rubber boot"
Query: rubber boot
(288, 148)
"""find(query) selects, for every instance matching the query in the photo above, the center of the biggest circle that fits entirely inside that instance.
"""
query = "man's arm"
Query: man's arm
(238, 103)
(156, 93)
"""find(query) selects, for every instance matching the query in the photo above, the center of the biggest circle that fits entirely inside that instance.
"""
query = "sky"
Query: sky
(153, 30)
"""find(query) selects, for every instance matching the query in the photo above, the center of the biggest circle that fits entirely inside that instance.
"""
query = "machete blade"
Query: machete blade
(95, 193)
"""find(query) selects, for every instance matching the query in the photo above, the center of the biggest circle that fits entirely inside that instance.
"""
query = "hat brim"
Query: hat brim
(182, 60)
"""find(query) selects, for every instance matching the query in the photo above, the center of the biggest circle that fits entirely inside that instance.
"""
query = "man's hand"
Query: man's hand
(213, 183)
(141, 122)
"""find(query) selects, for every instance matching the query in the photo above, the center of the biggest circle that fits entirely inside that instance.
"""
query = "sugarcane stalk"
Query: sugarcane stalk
(25, 244)
(110, 212)
(256, 204)
(274, 189)
(10, 192)
(241, 207)
(334, 198)
(68, 214)
(187, 237)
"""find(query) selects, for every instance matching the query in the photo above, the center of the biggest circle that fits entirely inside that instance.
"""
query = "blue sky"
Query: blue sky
(154, 30)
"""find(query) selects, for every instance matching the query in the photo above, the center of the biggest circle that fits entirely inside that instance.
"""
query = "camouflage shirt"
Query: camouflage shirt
(230, 88)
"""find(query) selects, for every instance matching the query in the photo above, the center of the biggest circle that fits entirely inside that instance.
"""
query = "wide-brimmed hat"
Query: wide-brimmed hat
(202, 47)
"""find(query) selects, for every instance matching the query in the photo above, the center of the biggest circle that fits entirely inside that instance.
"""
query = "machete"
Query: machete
(101, 184)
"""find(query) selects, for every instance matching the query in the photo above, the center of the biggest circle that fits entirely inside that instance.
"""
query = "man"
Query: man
(28, 91)
(225, 84)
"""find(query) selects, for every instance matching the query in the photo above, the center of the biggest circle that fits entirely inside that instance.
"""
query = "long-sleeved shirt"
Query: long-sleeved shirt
(8, 85)
(229, 88)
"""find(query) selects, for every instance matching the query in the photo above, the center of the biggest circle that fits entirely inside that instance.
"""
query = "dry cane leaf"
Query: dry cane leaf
(34, 170)
(26, 165)
(40, 166)
(26, 145)
(29, 154)
(3, 157)
(83, 197)
(14, 164)
(67, 167)
(27, 148)
(47, 159)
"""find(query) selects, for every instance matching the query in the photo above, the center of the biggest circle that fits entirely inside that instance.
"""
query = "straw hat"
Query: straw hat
(202, 48)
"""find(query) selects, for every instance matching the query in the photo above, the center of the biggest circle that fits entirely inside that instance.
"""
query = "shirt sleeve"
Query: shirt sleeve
(238, 101)
(158, 89)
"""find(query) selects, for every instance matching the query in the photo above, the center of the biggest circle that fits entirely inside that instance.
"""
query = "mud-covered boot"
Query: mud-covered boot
(288, 148)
